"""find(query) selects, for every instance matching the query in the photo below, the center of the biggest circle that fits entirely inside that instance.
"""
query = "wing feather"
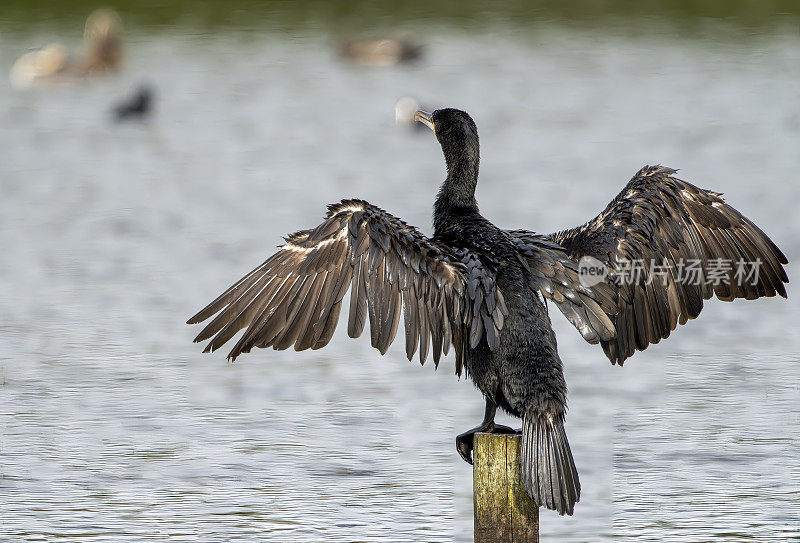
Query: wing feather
(553, 273)
(659, 218)
(295, 297)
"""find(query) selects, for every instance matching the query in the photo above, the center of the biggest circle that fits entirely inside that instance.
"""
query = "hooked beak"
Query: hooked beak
(425, 118)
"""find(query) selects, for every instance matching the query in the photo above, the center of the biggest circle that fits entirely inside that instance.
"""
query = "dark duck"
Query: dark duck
(485, 291)
(136, 107)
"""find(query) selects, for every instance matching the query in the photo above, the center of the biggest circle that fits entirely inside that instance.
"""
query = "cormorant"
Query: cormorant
(485, 290)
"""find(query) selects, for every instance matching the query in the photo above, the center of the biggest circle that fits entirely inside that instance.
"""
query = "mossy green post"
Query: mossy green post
(504, 513)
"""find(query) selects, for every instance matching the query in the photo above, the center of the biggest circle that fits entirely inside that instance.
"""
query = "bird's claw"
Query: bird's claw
(465, 441)
(500, 429)
(464, 445)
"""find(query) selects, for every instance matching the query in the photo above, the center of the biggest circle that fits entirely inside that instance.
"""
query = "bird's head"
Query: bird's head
(451, 126)
(458, 136)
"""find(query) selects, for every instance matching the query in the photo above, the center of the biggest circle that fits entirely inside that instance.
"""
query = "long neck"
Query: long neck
(457, 195)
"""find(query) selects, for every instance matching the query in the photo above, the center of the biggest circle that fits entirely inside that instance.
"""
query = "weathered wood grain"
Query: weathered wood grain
(504, 513)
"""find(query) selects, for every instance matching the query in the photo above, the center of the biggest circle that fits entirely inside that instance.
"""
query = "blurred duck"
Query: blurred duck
(137, 107)
(404, 110)
(383, 52)
(54, 64)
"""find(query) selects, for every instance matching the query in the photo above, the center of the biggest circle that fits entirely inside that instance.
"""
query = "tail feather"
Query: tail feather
(548, 470)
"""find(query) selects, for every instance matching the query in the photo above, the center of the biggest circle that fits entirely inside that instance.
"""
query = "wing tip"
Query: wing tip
(198, 317)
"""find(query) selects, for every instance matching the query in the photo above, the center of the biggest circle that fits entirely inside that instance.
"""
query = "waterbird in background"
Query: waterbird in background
(404, 110)
(53, 63)
(382, 52)
(136, 107)
(485, 290)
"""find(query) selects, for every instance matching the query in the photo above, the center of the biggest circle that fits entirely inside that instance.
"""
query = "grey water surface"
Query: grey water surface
(114, 426)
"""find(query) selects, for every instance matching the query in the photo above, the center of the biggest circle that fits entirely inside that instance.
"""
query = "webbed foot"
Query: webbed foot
(464, 442)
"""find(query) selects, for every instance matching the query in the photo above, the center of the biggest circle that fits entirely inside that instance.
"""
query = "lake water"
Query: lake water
(114, 426)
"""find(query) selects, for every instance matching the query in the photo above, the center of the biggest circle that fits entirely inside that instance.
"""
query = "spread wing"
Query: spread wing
(295, 296)
(552, 273)
(669, 245)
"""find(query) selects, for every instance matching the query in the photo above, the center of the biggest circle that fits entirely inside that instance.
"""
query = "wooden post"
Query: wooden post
(504, 513)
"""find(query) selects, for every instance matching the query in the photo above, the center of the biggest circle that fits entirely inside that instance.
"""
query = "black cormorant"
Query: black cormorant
(485, 290)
